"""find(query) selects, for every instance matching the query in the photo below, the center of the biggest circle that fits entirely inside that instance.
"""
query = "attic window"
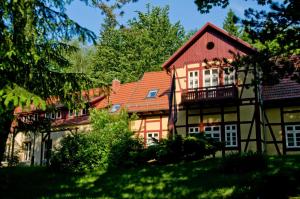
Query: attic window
(210, 45)
(115, 108)
(152, 93)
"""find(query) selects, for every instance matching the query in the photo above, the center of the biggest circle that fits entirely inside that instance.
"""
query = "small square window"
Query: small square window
(152, 93)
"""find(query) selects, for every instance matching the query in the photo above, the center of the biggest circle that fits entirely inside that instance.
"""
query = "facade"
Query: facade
(212, 97)
(222, 102)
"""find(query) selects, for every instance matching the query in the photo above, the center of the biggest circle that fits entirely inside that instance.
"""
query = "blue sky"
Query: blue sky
(184, 11)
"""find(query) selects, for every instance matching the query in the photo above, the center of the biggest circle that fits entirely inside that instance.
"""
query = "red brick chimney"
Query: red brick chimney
(116, 85)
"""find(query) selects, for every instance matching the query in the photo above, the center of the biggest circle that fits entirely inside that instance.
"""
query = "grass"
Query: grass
(197, 179)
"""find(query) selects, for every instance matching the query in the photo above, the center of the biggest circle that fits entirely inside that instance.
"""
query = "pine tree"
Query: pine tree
(229, 24)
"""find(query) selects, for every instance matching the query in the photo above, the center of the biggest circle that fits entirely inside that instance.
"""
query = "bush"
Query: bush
(109, 145)
(243, 162)
(78, 153)
(188, 148)
(194, 147)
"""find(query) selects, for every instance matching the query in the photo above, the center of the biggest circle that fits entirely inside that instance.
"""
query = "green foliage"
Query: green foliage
(177, 149)
(243, 162)
(109, 145)
(33, 43)
(193, 179)
(229, 24)
(78, 153)
(127, 52)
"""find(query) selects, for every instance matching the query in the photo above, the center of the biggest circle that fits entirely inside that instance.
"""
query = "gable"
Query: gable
(196, 49)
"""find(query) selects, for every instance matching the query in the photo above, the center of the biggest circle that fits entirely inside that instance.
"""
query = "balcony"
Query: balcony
(210, 94)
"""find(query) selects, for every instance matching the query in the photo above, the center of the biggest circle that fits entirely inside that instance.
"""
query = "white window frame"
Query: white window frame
(194, 130)
(27, 151)
(193, 77)
(152, 93)
(211, 76)
(71, 113)
(84, 111)
(52, 115)
(115, 108)
(294, 132)
(212, 133)
(35, 117)
(230, 75)
(231, 135)
(149, 140)
(47, 115)
(58, 115)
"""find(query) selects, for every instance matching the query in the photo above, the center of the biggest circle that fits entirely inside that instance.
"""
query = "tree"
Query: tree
(33, 42)
(229, 24)
(127, 52)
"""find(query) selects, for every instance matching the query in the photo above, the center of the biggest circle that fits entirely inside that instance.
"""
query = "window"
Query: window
(211, 77)
(152, 93)
(213, 132)
(71, 113)
(47, 149)
(27, 151)
(84, 111)
(152, 138)
(52, 115)
(193, 130)
(35, 117)
(292, 136)
(77, 113)
(115, 108)
(47, 115)
(228, 76)
(193, 79)
(230, 136)
(58, 115)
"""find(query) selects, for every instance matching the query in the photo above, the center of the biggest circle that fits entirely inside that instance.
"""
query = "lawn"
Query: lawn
(197, 179)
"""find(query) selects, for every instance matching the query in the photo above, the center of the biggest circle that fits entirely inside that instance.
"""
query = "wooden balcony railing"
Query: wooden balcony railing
(209, 94)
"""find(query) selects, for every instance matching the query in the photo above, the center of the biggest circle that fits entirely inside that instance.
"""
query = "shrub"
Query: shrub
(194, 147)
(188, 148)
(109, 145)
(243, 162)
(77, 153)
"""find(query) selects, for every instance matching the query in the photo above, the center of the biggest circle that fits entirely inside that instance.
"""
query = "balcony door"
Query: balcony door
(211, 77)
(193, 79)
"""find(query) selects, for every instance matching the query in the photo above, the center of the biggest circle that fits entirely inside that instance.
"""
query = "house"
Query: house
(212, 97)
(147, 98)
(216, 99)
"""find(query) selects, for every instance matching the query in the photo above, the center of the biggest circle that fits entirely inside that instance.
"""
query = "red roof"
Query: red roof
(79, 120)
(286, 89)
(118, 96)
(133, 96)
(197, 35)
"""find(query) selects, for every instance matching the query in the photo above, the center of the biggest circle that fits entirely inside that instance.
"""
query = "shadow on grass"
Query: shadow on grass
(198, 179)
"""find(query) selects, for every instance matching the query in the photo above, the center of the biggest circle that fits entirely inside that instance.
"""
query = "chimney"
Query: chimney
(116, 85)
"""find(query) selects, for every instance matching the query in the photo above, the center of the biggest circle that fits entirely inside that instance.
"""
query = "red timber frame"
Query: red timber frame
(145, 121)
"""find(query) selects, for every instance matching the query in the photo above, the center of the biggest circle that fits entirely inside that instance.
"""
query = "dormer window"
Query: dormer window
(152, 93)
(115, 108)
